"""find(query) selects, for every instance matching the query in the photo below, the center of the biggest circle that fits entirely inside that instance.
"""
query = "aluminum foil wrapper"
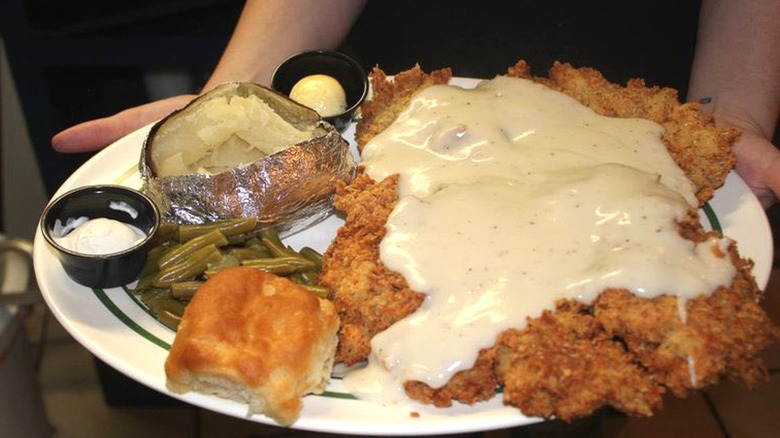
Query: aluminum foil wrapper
(292, 189)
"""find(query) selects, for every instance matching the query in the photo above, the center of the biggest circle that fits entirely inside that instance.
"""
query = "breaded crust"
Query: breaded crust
(391, 97)
(564, 364)
(622, 351)
(720, 338)
(369, 296)
(700, 148)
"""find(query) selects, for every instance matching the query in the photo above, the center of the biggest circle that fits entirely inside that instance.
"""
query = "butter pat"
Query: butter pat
(322, 93)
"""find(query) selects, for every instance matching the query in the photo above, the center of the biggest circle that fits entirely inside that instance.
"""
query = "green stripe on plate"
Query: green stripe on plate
(712, 217)
(116, 311)
(341, 395)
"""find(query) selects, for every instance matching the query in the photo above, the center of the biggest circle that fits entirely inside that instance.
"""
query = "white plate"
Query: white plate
(111, 325)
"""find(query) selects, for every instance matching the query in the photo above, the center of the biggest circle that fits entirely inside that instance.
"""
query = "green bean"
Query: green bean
(170, 312)
(169, 319)
(164, 307)
(187, 255)
(320, 291)
(151, 297)
(254, 242)
(165, 232)
(280, 265)
(271, 240)
(313, 255)
(250, 253)
(185, 289)
(189, 268)
(277, 250)
(225, 261)
(308, 277)
(257, 245)
(229, 228)
(157, 251)
(180, 253)
(271, 233)
(146, 282)
(296, 277)
(173, 306)
(210, 272)
(150, 265)
(240, 239)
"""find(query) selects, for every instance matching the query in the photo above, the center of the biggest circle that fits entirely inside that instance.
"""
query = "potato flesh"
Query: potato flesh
(222, 134)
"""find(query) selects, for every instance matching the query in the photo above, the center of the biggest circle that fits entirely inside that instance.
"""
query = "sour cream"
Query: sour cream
(322, 93)
(97, 236)
(512, 196)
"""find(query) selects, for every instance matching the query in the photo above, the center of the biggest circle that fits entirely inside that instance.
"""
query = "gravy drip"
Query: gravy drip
(512, 196)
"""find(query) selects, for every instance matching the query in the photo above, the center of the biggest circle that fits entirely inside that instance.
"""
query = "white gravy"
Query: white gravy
(511, 196)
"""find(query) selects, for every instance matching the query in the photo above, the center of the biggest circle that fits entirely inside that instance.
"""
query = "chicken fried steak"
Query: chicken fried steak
(621, 349)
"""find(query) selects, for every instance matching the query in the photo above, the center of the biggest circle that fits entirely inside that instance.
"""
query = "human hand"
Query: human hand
(99, 133)
(758, 163)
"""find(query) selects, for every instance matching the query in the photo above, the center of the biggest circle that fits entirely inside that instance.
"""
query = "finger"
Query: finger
(758, 163)
(769, 196)
(99, 133)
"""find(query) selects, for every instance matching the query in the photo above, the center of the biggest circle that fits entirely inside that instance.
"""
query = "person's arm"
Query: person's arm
(267, 32)
(270, 31)
(736, 76)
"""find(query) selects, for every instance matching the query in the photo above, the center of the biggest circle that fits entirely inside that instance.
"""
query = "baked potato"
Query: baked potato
(244, 150)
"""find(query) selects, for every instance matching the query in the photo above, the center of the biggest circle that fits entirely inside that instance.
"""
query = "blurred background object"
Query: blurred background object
(74, 61)
(22, 412)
